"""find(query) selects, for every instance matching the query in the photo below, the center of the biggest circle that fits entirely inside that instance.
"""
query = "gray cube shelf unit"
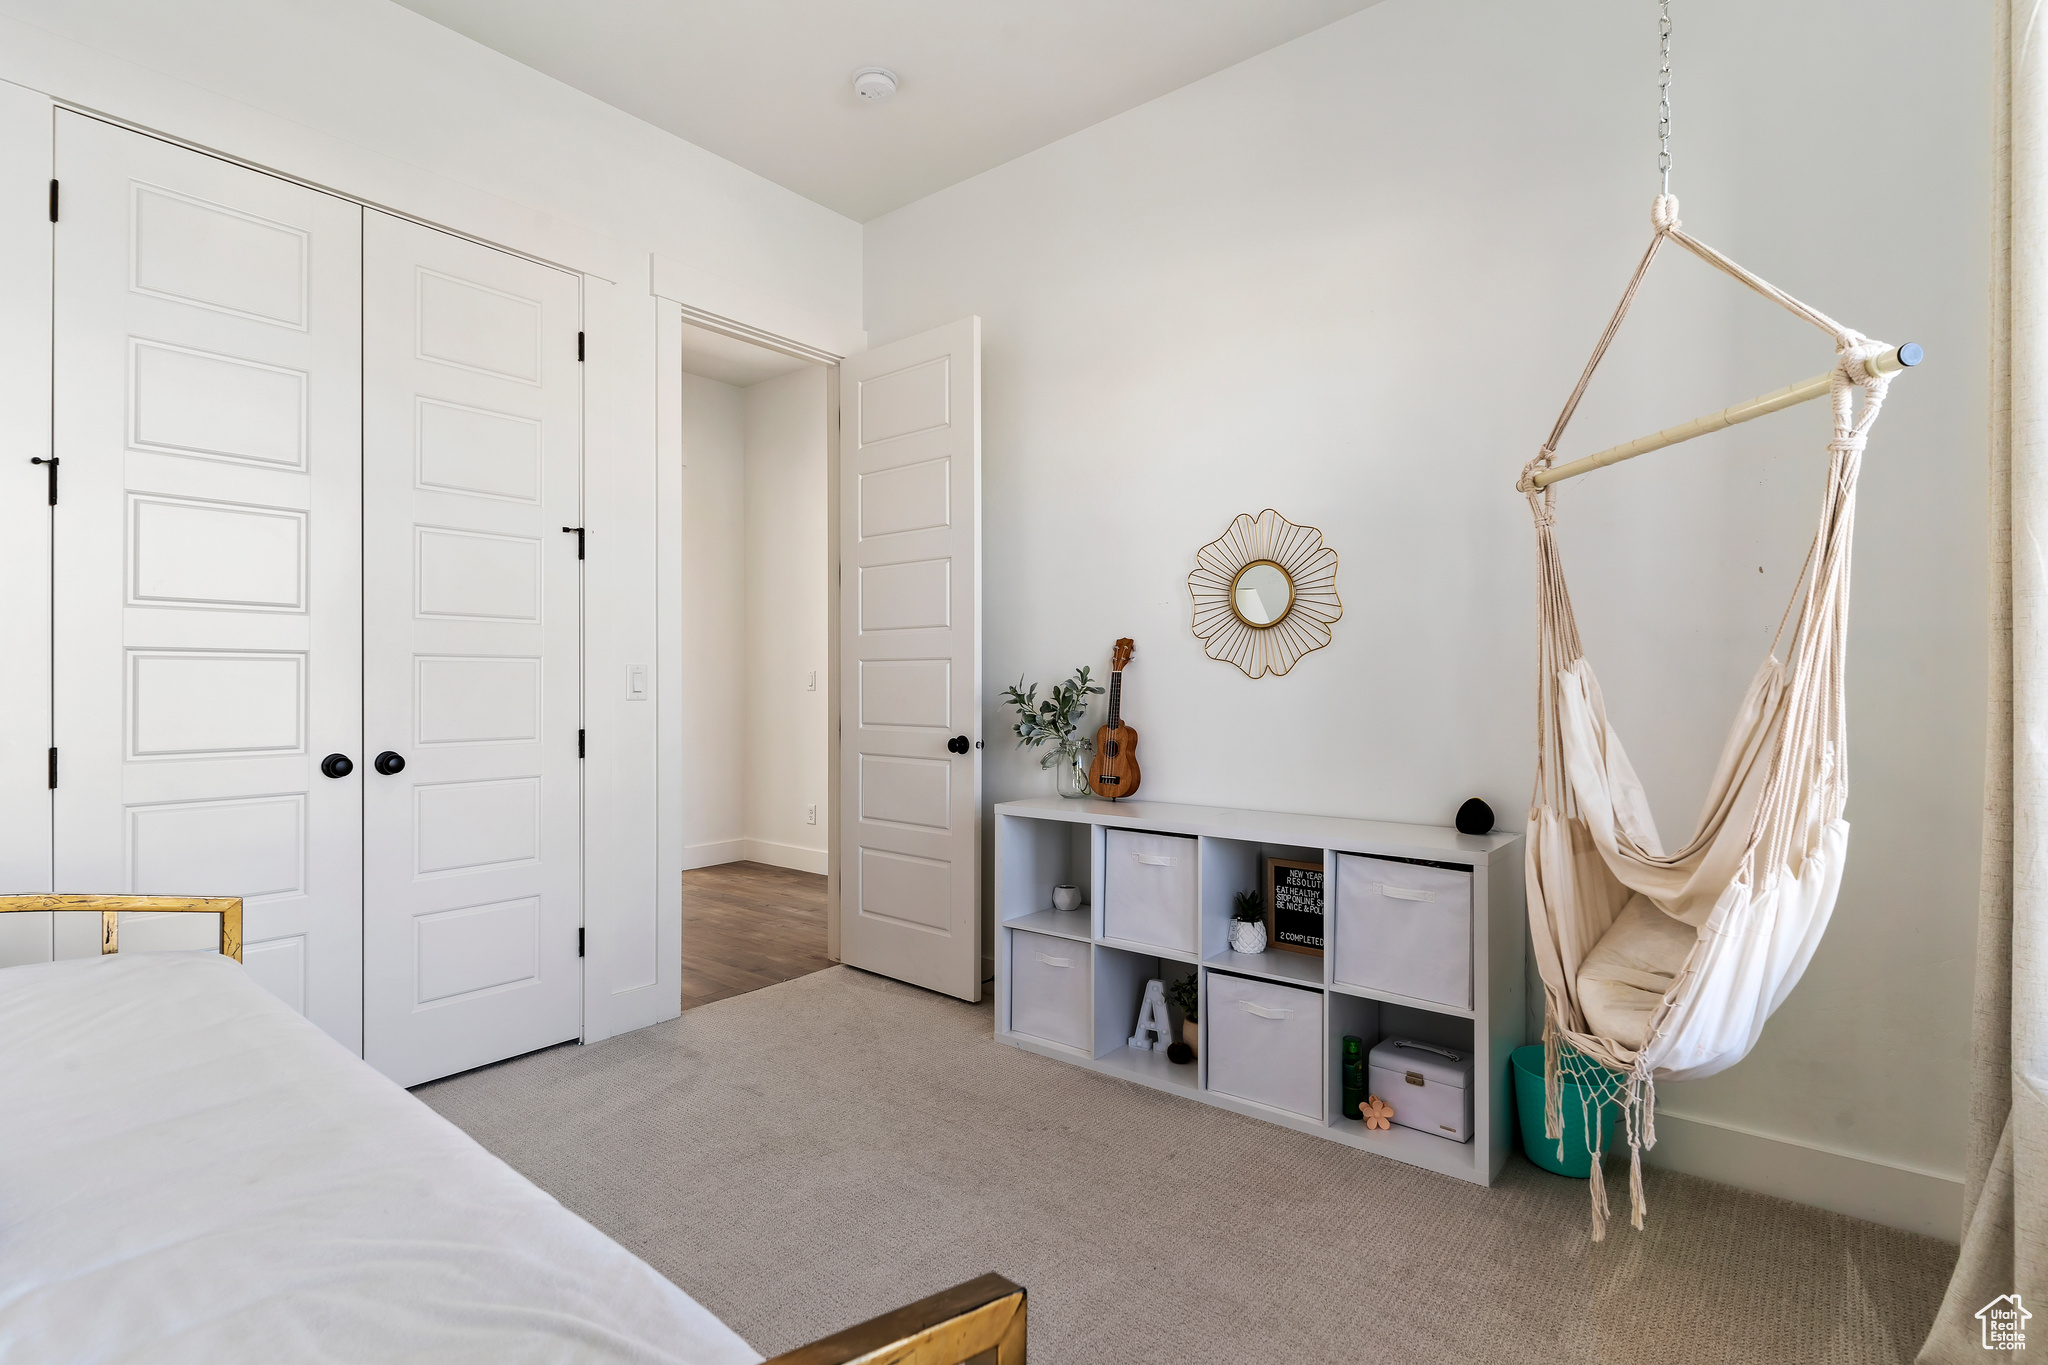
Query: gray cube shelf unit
(1067, 989)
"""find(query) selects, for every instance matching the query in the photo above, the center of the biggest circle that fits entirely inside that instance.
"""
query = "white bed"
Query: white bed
(189, 1171)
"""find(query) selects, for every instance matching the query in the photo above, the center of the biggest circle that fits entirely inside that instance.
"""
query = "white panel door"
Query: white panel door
(24, 519)
(910, 660)
(472, 408)
(207, 561)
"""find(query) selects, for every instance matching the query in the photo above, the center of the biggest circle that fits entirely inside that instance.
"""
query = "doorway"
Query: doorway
(756, 665)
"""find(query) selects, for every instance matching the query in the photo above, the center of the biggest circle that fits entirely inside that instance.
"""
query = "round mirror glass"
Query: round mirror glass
(1262, 593)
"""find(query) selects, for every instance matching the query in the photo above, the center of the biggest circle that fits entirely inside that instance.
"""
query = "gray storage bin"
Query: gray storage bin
(1265, 1043)
(1049, 989)
(1148, 889)
(1404, 928)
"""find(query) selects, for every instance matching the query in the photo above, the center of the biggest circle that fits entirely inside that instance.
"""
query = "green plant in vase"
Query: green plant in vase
(1248, 922)
(1056, 721)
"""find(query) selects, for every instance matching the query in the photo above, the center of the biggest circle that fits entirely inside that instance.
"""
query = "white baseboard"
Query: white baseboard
(785, 855)
(710, 855)
(1905, 1197)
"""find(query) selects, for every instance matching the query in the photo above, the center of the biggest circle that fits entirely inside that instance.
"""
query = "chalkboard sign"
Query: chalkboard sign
(1294, 905)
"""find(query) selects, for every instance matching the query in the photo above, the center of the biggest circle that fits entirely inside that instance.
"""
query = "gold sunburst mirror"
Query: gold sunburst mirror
(1265, 593)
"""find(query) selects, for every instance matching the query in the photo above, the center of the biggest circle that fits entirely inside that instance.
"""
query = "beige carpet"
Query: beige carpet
(811, 1154)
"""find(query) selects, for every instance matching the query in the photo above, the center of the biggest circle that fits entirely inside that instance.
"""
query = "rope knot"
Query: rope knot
(1664, 213)
(1854, 349)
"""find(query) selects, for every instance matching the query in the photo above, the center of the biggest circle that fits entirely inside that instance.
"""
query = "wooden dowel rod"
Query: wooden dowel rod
(1891, 362)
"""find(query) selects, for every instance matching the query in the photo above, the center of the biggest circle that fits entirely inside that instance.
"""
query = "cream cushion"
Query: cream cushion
(1625, 977)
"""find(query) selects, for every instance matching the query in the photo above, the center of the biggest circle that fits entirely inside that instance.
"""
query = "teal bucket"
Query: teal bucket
(1578, 1153)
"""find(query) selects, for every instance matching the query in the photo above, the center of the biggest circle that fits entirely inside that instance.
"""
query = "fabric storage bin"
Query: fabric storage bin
(1404, 928)
(1148, 889)
(1266, 1043)
(1429, 1087)
(1049, 989)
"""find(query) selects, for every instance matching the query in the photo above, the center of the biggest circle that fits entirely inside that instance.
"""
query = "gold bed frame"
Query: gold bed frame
(980, 1322)
(229, 908)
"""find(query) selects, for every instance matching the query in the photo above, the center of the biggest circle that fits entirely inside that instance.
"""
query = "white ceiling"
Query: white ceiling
(769, 83)
(714, 355)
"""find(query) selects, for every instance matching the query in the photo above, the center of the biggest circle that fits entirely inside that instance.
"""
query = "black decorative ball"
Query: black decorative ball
(1475, 817)
(1180, 1053)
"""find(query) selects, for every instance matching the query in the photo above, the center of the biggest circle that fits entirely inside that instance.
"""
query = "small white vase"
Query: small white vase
(1247, 936)
(1066, 898)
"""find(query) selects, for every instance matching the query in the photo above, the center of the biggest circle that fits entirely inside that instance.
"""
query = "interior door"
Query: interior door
(207, 565)
(910, 660)
(472, 413)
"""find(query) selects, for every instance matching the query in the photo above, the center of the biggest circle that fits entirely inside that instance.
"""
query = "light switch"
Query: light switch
(636, 682)
(812, 685)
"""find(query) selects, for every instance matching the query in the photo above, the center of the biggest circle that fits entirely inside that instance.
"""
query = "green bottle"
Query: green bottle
(1354, 1076)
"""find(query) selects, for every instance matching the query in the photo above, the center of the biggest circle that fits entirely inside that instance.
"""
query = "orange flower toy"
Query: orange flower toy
(1377, 1113)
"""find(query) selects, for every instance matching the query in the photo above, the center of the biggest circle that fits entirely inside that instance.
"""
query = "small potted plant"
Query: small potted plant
(1186, 995)
(1056, 721)
(1248, 922)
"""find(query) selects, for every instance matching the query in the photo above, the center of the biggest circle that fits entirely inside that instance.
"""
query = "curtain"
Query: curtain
(2005, 1208)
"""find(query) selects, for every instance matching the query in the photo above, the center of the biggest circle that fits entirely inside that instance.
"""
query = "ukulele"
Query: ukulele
(1114, 772)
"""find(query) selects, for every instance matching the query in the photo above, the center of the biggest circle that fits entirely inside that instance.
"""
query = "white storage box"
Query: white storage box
(1404, 928)
(1430, 1087)
(1265, 1043)
(1148, 889)
(1049, 989)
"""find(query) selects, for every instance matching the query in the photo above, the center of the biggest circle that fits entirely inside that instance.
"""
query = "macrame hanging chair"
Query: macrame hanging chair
(1664, 965)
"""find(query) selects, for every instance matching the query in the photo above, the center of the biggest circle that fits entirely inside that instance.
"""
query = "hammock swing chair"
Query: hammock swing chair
(1664, 965)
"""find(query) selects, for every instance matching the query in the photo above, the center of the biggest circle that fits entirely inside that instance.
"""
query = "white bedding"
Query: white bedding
(189, 1171)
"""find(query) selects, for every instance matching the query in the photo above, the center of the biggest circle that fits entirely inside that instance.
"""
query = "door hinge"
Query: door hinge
(579, 940)
(579, 745)
(576, 531)
(53, 767)
(53, 201)
(52, 464)
(579, 335)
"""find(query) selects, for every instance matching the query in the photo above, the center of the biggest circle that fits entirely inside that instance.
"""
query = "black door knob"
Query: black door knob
(389, 763)
(958, 744)
(337, 765)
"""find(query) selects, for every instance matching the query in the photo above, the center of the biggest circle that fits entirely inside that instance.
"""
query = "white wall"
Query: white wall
(1353, 279)
(375, 102)
(787, 718)
(714, 626)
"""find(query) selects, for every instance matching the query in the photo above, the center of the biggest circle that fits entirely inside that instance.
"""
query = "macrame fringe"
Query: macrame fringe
(1598, 1180)
(1553, 1081)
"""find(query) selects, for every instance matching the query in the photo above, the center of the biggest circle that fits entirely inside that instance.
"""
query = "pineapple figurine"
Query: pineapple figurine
(1248, 923)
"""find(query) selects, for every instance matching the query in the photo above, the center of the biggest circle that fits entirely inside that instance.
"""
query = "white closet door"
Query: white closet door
(472, 405)
(207, 569)
(910, 659)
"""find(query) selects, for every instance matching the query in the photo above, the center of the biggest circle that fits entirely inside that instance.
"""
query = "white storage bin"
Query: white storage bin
(1266, 1043)
(1148, 889)
(1430, 1087)
(1404, 928)
(1049, 989)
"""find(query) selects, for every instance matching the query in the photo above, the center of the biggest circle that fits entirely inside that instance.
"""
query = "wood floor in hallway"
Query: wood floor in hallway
(749, 925)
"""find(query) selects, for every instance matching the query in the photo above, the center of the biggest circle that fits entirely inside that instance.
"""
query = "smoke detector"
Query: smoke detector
(874, 84)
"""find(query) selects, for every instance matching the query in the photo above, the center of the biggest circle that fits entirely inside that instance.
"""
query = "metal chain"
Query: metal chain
(1664, 92)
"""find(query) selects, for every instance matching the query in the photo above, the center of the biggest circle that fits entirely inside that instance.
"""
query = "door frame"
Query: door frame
(683, 295)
